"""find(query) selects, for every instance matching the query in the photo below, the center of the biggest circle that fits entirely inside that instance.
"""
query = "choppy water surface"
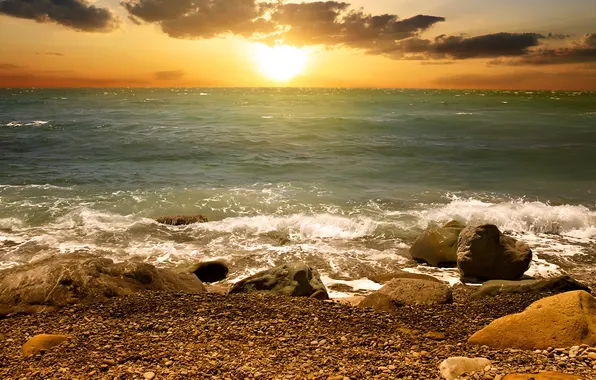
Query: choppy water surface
(344, 179)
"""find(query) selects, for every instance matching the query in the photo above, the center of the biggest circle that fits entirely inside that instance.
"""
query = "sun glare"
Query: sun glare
(280, 63)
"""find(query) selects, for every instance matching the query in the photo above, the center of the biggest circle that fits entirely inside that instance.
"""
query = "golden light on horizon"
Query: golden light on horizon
(281, 62)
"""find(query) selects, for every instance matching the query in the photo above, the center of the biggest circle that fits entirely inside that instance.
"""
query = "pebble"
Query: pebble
(148, 375)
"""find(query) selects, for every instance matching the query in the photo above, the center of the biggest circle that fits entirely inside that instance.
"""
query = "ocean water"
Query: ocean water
(343, 179)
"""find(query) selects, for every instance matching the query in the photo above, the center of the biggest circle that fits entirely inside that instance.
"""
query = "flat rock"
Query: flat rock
(72, 278)
(484, 253)
(559, 284)
(211, 271)
(182, 220)
(379, 302)
(563, 320)
(437, 246)
(453, 368)
(412, 291)
(43, 342)
(386, 277)
(293, 279)
(543, 376)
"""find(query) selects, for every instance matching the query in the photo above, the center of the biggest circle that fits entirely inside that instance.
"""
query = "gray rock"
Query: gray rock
(294, 279)
(212, 271)
(67, 279)
(551, 285)
(437, 246)
(413, 291)
(386, 277)
(484, 253)
(453, 368)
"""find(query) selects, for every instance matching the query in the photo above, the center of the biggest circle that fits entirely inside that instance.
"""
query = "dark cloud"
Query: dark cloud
(10, 66)
(582, 51)
(169, 75)
(75, 14)
(329, 23)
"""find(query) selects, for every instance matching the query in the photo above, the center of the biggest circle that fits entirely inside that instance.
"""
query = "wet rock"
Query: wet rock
(453, 368)
(212, 271)
(294, 279)
(386, 277)
(344, 288)
(559, 284)
(43, 342)
(543, 376)
(379, 302)
(564, 320)
(415, 291)
(437, 246)
(484, 253)
(182, 220)
(67, 279)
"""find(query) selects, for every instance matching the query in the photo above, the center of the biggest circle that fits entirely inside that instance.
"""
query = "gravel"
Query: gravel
(153, 335)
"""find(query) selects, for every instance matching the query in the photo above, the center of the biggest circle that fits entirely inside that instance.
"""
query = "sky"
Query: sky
(500, 44)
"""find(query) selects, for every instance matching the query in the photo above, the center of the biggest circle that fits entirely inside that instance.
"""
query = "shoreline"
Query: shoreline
(265, 336)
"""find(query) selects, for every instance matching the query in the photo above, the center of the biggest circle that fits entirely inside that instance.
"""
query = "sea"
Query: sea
(343, 179)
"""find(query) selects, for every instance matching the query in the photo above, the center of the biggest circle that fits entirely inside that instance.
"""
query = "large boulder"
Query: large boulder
(211, 271)
(67, 279)
(182, 220)
(558, 284)
(437, 246)
(294, 279)
(564, 320)
(411, 291)
(386, 277)
(484, 253)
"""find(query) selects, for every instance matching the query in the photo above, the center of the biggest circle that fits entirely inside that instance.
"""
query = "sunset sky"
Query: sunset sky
(542, 44)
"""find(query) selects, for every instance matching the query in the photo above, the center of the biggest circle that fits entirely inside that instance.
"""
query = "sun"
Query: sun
(281, 62)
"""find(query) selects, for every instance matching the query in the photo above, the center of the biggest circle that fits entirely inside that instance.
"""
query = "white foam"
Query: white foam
(362, 284)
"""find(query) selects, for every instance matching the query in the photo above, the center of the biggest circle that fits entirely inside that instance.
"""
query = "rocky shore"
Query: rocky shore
(83, 317)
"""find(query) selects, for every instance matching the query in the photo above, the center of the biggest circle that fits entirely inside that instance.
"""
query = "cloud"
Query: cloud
(329, 23)
(581, 51)
(10, 66)
(55, 54)
(79, 15)
(169, 75)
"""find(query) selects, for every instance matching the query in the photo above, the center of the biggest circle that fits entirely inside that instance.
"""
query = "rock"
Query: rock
(454, 367)
(433, 335)
(182, 220)
(437, 246)
(72, 278)
(344, 288)
(563, 320)
(43, 342)
(379, 302)
(320, 295)
(294, 279)
(386, 277)
(559, 284)
(484, 253)
(212, 271)
(149, 375)
(542, 376)
(412, 291)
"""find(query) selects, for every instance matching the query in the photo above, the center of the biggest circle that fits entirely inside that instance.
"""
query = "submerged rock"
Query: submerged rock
(484, 253)
(212, 271)
(294, 279)
(43, 342)
(182, 220)
(413, 291)
(67, 279)
(558, 284)
(563, 320)
(437, 246)
(453, 368)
